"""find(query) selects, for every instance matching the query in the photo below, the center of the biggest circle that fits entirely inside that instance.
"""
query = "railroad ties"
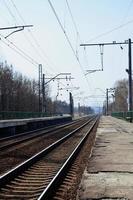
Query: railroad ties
(40, 176)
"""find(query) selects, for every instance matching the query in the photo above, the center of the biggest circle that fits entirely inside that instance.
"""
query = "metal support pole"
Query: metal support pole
(130, 76)
(39, 98)
(71, 104)
(79, 109)
(107, 103)
(40, 85)
(43, 95)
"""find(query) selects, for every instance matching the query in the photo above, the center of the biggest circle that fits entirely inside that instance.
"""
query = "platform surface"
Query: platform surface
(19, 122)
(109, 173)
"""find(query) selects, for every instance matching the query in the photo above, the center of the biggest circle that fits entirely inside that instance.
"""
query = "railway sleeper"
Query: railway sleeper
(30, 187)
(18, 196)
(35, 183)
(32, 178)
(27, 181)
(36, 175)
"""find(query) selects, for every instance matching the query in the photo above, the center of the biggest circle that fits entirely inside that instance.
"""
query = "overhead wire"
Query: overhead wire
(110, 31)
(128, 9)
(10, 44)
(14, 47)
(78, 37)
(73, 19)
(18, 52)
(23, 54)
(16, 21)
(68, 40)
(125, 17)
(9, 10)
(3, 17)
(116, 28)
(36, 46)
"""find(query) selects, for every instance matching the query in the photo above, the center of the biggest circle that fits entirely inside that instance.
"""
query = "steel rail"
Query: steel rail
(33, 131)
(4, 147)
(56, 181)
(4, 179)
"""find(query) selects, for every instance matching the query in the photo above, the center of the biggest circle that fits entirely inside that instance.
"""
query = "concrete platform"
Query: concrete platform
(109, 173)
(14, 126)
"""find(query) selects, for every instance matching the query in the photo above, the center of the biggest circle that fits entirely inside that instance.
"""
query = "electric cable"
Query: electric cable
(38, 47)
(110, 31)
(68, 40)
(30, 61)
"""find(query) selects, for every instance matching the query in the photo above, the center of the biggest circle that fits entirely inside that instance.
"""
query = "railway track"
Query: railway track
(39, 176)
(8, 142)
(20, 149)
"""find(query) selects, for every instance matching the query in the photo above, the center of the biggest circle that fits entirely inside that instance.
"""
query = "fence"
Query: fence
(21, 115)
(123, 115)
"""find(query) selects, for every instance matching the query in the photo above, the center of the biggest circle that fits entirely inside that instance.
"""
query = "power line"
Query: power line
(29, 41)
(110, 31)
(19, 51)
(37, 47)
(75, 26)
(73, 19)
(9, 10)
(33, 37)
(78, 35)
(22, 52)
(67, 38)
(11, 45)
(129, 7)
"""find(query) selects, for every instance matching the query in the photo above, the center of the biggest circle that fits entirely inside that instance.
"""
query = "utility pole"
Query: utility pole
(40, 86)
(107, 102)
(113, 108)
(129, 70)
(107, 99)
(130, 75)
(79, 109)
(43, 95)
(71, 104)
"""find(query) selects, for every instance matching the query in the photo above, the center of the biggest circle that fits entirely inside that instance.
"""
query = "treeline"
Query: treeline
(118, 101)
(17, 92)
(85, 110)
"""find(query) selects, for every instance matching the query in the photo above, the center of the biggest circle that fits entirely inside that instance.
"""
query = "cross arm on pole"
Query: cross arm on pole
(105, 44)
(14, 27)
(55, 77)
(19, 28)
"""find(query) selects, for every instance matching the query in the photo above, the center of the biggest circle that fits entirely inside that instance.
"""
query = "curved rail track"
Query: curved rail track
(38, 177)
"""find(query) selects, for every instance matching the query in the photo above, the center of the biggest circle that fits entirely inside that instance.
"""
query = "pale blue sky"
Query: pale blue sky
(92, 18)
